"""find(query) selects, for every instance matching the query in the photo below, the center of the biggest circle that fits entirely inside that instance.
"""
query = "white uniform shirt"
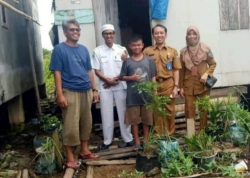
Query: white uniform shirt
(109, 62)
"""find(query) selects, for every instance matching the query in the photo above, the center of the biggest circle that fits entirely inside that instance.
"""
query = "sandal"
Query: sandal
(88, 156)
(72, 164)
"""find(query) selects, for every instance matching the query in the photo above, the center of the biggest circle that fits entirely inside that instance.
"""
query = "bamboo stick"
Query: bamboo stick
(5, 4)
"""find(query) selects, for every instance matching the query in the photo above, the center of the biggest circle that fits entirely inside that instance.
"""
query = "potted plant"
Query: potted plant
(201, 146)
(45, 126)
(160, 145)
(216, 126)
(46, 162)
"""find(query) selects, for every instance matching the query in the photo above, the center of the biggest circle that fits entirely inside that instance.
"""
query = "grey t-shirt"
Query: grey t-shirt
(146, 69)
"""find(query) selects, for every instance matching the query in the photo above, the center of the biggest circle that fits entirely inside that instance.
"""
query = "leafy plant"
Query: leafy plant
(135, 174)
(179, 166)
(203, 104)
(50, 123)
(229, 171)
(200, 143)
(155, 102)
(215, 111)
(49, 78)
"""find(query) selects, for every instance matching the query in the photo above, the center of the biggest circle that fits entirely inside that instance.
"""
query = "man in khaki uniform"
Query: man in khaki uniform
(168, 66)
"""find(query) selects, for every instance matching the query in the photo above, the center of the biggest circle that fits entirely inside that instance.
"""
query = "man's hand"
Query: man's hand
(204, 78)
(175, 92)
(182, 93)
(95, 97)
(124, 56)
(135, 77)
(110, 82)
(62, 102)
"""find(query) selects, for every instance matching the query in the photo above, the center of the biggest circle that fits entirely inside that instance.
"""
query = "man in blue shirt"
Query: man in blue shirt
(75, 88)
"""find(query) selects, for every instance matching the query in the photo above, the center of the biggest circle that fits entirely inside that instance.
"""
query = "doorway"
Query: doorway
(134, 18)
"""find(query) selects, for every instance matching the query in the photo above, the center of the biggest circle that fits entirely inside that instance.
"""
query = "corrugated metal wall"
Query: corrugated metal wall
(15, 66)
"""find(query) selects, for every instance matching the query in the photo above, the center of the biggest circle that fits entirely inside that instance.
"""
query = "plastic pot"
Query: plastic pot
(146, 163)
(204, 161)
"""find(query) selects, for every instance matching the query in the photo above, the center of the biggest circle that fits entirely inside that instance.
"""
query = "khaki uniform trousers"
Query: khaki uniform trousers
(190, 109)
(162, 124)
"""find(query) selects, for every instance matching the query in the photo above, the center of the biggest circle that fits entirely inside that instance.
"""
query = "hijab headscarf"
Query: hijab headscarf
(194, 53)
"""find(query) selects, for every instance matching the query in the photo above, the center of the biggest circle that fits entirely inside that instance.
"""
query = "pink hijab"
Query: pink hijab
(194, 53)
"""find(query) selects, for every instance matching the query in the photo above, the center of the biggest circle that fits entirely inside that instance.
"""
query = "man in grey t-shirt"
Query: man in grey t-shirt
(138, 68)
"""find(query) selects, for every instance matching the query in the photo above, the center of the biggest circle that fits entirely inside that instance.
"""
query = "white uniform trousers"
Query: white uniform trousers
(107, 113)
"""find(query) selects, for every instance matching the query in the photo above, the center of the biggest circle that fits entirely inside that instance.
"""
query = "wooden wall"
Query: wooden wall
(106, 11)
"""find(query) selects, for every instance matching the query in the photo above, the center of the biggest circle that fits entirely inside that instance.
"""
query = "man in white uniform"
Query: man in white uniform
(107, 63)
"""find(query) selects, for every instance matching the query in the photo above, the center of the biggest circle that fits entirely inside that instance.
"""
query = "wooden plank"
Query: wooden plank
(110, 157)
(224, 14)
(244, 14)
(113, 162)
(90, 172)
(116, 151)
(25, 173)
(180, 126)
(69, 172)
(233, 14)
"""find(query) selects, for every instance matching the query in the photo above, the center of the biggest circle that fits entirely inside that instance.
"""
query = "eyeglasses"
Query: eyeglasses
(110, 33)
(74, 29)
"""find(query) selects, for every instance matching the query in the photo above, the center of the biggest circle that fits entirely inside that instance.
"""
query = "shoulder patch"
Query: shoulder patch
(210, 54)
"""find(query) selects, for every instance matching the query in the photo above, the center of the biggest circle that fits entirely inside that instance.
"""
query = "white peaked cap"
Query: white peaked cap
(108, 27)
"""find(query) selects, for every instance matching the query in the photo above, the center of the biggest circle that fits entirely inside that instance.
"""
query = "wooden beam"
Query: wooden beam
(110, 157)
(116, 151)
(5, 4)
(58, 146)
(70, 172)
(90, 172)
(113, 162)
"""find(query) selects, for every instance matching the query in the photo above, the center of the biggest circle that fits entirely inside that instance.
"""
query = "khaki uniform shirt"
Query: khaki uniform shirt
(161, 58)
(191, 84)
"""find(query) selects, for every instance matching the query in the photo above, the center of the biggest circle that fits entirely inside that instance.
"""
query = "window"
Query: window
(4, 18)
(234, 14)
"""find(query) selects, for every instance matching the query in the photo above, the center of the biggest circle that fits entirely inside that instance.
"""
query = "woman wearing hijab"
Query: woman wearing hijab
(197, 65)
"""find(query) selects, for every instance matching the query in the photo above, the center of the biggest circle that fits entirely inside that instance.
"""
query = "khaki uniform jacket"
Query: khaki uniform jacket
(161, 58)
(191, 84)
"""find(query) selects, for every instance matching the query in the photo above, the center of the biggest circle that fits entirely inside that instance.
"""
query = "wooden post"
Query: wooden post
(90, 172)
(58, 146)
(33, 70)
(190, 127)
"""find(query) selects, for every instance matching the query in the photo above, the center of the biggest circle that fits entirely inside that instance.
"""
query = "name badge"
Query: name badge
(169, 66)
(194, 71)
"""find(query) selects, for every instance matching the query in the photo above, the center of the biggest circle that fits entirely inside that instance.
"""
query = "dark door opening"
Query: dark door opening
(134, 18)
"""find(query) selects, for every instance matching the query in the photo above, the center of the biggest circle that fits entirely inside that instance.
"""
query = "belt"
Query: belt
(161, 79)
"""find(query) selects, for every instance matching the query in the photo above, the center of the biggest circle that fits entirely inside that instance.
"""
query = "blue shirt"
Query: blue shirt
(74, 64)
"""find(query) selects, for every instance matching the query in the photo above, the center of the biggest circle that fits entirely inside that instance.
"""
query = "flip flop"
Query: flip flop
(72, 164)
(89, 156)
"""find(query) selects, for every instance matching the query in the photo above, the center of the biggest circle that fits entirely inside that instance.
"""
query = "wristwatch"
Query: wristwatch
(94, 90)
(176, 86)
